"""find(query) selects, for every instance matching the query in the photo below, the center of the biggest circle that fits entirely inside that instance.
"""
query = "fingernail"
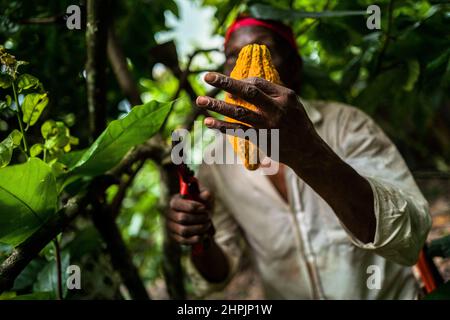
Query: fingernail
(208, 122)
(202, 101)
(210, 77)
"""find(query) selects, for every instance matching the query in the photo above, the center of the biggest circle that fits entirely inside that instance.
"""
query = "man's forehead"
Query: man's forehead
(247, 35)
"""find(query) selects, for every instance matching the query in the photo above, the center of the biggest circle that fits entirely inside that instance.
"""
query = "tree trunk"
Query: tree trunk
(96, 42)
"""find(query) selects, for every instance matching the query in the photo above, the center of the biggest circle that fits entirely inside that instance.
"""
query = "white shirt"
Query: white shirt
(301, 249)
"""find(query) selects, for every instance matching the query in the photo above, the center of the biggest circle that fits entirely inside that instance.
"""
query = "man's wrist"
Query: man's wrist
(310, 152)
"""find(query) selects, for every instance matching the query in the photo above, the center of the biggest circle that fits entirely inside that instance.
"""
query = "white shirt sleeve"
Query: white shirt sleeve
(402, 217)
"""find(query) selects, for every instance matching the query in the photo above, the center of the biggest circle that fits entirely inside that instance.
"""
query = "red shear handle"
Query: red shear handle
(190, 190)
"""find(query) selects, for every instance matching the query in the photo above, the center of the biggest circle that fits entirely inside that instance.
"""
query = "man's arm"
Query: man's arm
(301, 148)
(348, 193)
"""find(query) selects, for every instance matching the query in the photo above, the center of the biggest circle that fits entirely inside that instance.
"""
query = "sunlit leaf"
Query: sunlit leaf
(32, 107)
(27, 199)
(27, 81)
(36, 149)
(121, 135)
(7, 146)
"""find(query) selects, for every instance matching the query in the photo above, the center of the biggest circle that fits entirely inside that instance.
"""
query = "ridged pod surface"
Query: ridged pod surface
(254, 61)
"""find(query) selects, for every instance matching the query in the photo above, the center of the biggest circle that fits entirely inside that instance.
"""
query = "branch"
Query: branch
(59, 289)
(172, 268)
(96, 41)
(387, 37)
(30, 248)
(120, 67)
(121, 193)
(120, 257)
(45, 20)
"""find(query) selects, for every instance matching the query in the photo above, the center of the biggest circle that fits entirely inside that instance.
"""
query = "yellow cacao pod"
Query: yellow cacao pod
(254, 61)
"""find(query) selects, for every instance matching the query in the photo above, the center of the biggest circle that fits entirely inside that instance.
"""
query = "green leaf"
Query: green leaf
(7, 146)
(3, 105)
(28, 276)
(70, 159)
(36, 149)
(27, 199)
(27, 81)
(121, 135)
(5, 81)
(8, 295)
(47, 279)
(263, 11)
(413, 74)
(5, 155)
(32, 107)
(441, 293)
(47, 128)
(34, 296)
(16, 137)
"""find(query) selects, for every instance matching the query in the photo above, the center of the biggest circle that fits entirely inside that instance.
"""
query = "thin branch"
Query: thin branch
(59, 289)
(387, 38)
(44, 20)
(172, 268)
(120, 67)
(120, 256)
(183, 83)
(196, 71)
(116, 203)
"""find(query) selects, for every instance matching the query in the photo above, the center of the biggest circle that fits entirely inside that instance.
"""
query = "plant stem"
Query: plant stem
(25, 146)
(59, 289)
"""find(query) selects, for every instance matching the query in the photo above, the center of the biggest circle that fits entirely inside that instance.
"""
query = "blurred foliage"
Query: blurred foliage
(400, 75)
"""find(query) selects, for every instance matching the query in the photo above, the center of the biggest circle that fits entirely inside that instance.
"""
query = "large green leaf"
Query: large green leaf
(121, 135)
(32, 107)
(27, 199)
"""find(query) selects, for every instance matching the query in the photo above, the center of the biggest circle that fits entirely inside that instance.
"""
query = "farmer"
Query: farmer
(342, 218)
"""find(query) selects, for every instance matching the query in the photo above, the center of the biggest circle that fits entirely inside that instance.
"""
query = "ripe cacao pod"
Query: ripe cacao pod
(254, 61)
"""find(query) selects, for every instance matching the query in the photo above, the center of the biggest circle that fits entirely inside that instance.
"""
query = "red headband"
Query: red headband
(279, 28)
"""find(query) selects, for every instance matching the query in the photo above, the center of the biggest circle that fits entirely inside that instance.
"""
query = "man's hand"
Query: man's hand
(188, 220)
(301, 147)
(279, 108)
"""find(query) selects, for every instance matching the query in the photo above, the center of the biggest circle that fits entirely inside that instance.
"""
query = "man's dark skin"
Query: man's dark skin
(348, 194)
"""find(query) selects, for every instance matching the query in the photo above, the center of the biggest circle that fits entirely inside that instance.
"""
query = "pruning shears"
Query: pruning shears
(189, 189)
